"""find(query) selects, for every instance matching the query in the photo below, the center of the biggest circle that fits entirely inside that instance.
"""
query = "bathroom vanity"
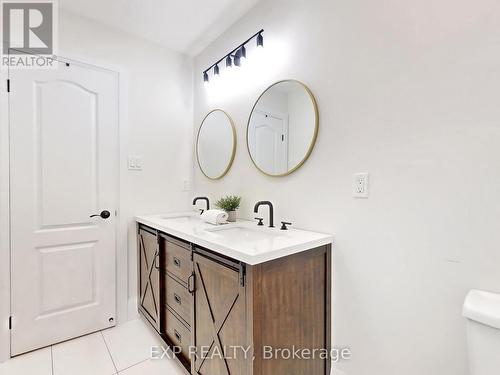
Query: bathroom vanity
(227, 298)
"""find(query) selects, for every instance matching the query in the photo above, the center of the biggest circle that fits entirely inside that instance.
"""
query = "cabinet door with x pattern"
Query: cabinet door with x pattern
(220, 319)
(149, 276)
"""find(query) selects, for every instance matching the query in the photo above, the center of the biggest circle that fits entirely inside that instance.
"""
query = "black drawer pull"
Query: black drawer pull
(191, 286)
(177, 299)
(177, 335)
(177, 262)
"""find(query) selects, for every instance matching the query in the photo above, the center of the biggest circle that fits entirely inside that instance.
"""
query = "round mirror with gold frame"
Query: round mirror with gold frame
(282, 128)
(216, 144)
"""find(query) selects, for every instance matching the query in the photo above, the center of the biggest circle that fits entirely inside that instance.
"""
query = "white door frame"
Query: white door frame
(121, 228)
(4, 221)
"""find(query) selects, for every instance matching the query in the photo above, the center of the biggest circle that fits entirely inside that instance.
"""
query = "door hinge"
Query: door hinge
(242, 274)
(10, 322)
(8, 85)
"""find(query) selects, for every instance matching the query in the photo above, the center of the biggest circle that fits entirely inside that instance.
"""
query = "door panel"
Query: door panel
(74, 286)
(220, 318)
(268, 142)
(65, 193)
(63, 134)
(149, 277)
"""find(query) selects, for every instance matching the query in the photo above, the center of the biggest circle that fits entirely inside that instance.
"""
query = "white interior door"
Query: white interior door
(64, 155)
(268, 141)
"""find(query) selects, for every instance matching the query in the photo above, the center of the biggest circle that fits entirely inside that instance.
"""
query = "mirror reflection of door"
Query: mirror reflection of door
(268, 141)
(282, 128)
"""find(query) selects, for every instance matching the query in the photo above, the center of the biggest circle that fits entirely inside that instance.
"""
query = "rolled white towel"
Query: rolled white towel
(215, 217)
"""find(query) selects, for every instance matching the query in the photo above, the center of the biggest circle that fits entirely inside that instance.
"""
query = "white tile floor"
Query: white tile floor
(121, 350)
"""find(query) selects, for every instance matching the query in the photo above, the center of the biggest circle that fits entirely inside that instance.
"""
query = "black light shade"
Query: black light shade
(260, 40)
(237, 58)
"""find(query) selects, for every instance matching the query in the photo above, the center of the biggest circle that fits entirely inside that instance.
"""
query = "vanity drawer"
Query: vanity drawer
(178, 261)
(178, 333)
(178, 298)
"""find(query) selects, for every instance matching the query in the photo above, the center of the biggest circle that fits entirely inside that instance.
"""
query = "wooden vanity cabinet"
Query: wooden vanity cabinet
(289, 306)
(219, 305)
(177, 313)
(166, 300)
(149, 275)
(221, 316)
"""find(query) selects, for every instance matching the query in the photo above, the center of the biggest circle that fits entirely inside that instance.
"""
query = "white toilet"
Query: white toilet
(482, 310)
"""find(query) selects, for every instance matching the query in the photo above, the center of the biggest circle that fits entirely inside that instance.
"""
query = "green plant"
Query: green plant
(229, 203)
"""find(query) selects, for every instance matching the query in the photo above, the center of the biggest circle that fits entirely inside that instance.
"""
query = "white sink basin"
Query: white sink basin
(181, 218)
(241, 233)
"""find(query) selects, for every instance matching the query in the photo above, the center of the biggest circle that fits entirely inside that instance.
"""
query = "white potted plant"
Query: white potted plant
(229, 204)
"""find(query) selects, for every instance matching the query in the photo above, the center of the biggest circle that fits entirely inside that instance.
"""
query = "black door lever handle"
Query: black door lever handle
(104, 214)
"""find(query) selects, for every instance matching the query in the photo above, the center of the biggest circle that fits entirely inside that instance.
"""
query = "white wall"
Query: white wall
(155, 123)
(409, 92)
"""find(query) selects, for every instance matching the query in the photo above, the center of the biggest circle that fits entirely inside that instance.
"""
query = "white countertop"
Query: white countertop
(243, 240)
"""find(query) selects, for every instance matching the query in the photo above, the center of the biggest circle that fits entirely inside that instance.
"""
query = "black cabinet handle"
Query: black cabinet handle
(177, 299)
(177, 262)
(104, 214)
(178, 336)
(157, 255)
(191, 288)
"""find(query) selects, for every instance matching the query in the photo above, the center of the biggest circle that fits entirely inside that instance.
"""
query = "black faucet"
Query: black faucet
(202, 199)
(271, 211)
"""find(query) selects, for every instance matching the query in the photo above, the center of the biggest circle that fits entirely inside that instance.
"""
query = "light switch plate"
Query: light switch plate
(134, 163)
(186, 185)
(138, 163)
(360, 185)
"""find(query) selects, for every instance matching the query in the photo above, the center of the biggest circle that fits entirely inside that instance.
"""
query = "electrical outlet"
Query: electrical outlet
(360, 185)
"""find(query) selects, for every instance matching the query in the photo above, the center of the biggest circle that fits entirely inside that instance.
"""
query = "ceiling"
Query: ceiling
(187, 26)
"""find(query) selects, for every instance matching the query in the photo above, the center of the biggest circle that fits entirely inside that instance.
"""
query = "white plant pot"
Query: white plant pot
(231, 216)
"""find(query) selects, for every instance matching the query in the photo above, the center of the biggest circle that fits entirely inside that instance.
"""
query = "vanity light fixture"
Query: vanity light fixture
(236, 54)
(260, 40)
(237, 58)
